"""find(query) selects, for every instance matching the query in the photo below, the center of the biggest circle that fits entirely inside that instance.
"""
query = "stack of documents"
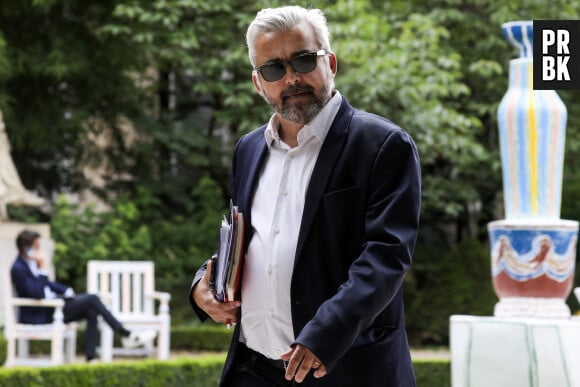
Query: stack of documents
(227, 266)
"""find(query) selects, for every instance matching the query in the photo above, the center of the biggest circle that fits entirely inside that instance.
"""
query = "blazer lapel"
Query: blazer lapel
(24, 265)
(323, 168)
(249, 186)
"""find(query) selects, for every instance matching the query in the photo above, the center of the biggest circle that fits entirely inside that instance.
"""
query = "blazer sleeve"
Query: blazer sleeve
(57, 287)
(198, 276)
(26, 284)
(376, 275)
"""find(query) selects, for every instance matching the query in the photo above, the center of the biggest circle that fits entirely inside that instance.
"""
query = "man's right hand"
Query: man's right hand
(222, 312)
(39, 258)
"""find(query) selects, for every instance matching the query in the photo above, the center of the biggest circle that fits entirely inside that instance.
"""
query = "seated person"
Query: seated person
(31, 281)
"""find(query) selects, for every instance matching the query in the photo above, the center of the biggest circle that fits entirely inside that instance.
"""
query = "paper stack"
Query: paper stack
(227, 266)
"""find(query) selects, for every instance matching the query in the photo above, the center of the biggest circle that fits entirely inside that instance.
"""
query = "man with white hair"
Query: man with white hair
(331, 199)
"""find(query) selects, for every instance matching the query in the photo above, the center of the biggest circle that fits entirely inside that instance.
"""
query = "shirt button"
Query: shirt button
(270, 270)
(284, 192)
(270, 314)
(276, 230)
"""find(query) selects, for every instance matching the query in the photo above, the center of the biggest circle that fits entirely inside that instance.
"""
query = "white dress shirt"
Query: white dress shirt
(276, 217)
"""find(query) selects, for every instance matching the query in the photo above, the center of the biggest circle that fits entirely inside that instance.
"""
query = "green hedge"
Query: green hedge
(3, 349)
(432, 373)
(186, 338)
(200, 372)
(201, 337)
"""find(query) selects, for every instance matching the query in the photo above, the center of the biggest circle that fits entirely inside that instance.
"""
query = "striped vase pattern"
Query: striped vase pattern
(532, 128)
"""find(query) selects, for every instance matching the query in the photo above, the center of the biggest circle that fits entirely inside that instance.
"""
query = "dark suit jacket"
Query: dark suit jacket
(29, 286)
(356, 240)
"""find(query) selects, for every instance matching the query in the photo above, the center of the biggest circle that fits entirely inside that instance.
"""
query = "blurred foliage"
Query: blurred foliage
(151, 96)
(178, 73)
(134, 229)
(84, 235)
(446, 281)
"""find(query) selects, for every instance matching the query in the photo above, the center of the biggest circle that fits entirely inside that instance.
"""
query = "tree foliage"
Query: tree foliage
(178, 71)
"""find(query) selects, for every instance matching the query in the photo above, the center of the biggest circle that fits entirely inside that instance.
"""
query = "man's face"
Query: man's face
(296, 97)
(33, 249)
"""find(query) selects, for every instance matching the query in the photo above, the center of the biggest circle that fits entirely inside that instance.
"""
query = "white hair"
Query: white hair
(284, 18)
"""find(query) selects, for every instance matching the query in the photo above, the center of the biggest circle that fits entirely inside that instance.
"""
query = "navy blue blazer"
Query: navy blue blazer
(355, 245)
(29, 286)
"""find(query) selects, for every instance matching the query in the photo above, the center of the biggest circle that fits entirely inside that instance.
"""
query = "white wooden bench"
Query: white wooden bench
(61, 336)
(128, 289)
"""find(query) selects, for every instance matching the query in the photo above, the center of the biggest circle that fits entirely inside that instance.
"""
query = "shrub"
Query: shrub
(185, 338)
(82, 235)
(199, 338)
(203, 371)
(443, 282)
(432, 373)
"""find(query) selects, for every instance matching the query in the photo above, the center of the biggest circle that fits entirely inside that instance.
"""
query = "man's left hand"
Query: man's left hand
(300, 361)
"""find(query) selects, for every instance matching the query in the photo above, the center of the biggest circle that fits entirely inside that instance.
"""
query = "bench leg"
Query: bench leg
(106, 343)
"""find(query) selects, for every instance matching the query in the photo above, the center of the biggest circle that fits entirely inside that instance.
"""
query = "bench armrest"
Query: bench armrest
(161, 296)
(56, 303)
(52, 302)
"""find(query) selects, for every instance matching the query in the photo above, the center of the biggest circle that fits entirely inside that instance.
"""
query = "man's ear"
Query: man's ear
(256, 83)
(332, 63)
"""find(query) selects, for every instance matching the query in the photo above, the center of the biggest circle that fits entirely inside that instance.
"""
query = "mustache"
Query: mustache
(297, 89)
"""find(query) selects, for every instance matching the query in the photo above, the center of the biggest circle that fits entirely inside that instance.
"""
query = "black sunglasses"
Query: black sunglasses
(302, 64)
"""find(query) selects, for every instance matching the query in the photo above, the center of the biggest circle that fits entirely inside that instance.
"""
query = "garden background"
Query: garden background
(136, 105)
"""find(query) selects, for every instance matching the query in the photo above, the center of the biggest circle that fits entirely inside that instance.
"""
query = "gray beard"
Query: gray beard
(301, 113)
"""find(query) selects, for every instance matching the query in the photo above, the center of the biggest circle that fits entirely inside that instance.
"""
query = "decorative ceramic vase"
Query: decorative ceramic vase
(533, 251)
(532, 129)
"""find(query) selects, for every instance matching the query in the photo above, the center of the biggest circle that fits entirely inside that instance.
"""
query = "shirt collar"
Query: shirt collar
(33, 266)
(318, 127)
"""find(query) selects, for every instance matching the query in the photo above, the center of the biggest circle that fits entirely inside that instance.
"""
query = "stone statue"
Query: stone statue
(11, 189)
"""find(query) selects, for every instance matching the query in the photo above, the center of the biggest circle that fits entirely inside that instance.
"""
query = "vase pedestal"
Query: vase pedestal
(531, 307)
(514, 352)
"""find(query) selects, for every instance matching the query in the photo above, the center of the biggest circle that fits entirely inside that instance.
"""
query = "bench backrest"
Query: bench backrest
(127, 283)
